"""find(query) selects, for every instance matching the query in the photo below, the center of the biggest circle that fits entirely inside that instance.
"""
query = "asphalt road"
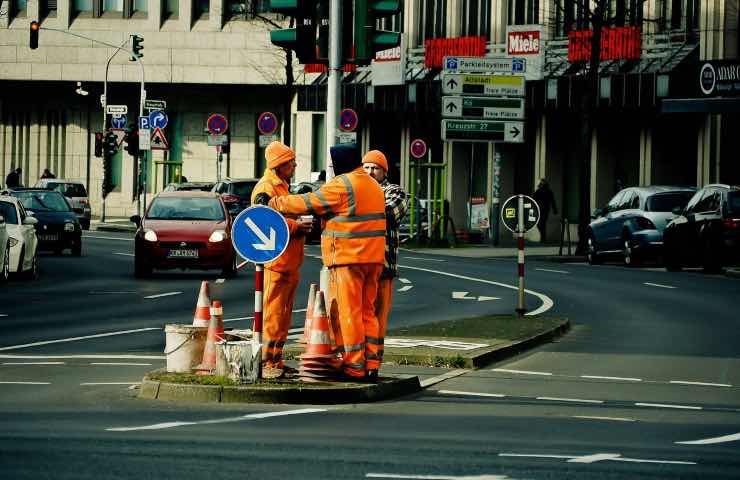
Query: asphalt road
(651, 361)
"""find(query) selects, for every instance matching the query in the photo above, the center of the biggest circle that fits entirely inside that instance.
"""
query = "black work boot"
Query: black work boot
(371, 376)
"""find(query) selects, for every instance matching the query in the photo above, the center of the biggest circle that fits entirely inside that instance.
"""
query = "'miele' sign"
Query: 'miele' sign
(435, 49)
(618, 43)
(523, 42)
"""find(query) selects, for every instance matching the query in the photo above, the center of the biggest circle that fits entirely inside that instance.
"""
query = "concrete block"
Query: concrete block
(197, 74)
(213, 57)
(159, 73)
(157, 40)
(178, 74)
(77, 72)
(8, 54)
(46, 72)
(94, 55)
(156, 56)
(182, 56)
(149, 389)
(15, 71)
(63, 55)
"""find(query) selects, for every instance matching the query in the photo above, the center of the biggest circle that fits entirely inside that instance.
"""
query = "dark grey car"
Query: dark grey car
(631, 226)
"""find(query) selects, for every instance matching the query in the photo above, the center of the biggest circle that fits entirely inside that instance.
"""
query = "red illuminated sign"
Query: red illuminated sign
(435, 49)
(524, 43)
(321, 68)
(618, 43)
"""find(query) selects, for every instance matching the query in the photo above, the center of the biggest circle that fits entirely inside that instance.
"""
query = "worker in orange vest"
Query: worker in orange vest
(281, 275)
(353, 248)
(376, 165)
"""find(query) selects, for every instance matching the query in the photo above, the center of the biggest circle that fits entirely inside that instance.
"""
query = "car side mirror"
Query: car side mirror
(2, 219)
(136, 219)
(30, 221)
(677, 210)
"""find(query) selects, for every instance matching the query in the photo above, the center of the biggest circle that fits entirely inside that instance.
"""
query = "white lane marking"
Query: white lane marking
(535, 455)
(523, 372)
(437, 477)
(404, 280)
(220, 280)
(33, 363)
(547, 302)
(441, 378)
(74, 339)
(552, 271)
(424, 259)
(471, 394)
(3, 314)
(124, 254)
(574, 400)
(461, 296)
(657, 285)
(114, 292)
(663, 405)
(109, 383)
(121, 364)
(109, 238)
(160, 295)
(252, 416)
(701, 384)
(710, 441)
(640, 460)
(594, 458)
(405, 288)
(483, 299)
(140, 357)
(25, 383)
(620, 379)
(615, 419)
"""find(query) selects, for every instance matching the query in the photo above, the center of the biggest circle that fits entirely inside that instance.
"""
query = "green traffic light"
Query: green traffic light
(286, 37)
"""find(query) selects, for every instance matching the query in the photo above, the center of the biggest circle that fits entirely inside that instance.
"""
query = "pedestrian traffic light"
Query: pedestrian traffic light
(301, 38)
(368, 39)
(132, 141)
(137, 45)
(34, 39)
(99, 144)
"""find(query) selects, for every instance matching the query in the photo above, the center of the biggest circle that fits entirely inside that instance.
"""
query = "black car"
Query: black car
(58, 227)
(707, 232)
(189, 186)
(236, 193)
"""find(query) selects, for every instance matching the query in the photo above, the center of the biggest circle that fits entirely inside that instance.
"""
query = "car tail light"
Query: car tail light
(731, 223)
(84, 202)
(644, 223)
(228, 198)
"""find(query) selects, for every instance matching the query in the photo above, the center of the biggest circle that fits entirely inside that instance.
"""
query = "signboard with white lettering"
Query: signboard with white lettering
(494, 108)
(482, 131)
(116, 109)
(528, 42)
(719, 78)
(484, 65)
(463, 84)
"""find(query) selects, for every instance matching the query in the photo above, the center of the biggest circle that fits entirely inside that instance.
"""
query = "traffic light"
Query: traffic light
(107, 176)
(368, 39)
(99, 144)
(301, 38)
(132, 141)
(34, 39)
(110, 144)
(137, 45)
(323, 22)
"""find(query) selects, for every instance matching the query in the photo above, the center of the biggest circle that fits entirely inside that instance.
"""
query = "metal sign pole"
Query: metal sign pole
(520, 257)
(257, 327)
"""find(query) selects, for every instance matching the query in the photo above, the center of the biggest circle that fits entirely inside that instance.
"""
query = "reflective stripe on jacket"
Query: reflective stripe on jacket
(292, 258)
(353, 206)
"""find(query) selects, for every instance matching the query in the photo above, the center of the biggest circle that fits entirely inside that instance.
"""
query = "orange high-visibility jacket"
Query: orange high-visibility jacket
(292, 258)
(353, 206)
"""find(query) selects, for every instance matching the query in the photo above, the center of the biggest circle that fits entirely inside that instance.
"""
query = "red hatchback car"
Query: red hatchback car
(185, 229)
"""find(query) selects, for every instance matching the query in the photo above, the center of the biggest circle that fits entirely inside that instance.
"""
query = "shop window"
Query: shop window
(569, 15)
(476, 18)
(84, 8)
(684, 15)
(116, 163)
(434, 19)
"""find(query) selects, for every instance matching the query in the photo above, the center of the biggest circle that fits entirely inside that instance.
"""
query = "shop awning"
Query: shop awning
(700, 105)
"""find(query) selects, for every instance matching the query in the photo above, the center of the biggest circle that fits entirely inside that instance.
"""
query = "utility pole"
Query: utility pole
(333, 87)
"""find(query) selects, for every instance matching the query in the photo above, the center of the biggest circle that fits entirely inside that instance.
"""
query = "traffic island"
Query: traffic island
(161, 385)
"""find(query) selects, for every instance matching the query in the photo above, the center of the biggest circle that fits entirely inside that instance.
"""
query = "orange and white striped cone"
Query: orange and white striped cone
(319, 361)
(202, 315)
(309, 313)
(215, 334)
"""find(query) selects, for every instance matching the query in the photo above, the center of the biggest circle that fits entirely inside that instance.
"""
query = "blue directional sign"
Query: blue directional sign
(144, 123)
(260, 234)
(118, 121)
(157, 119)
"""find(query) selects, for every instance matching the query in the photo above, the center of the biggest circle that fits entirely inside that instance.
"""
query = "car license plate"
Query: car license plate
(183, 253)
(48, 237)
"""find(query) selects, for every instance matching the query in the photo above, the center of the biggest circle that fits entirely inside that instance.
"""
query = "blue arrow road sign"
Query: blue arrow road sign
(119, 121)
(260, 234)
(144, 123)
(157, 119)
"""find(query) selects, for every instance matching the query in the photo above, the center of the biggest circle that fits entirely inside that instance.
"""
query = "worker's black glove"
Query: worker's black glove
(262, 199)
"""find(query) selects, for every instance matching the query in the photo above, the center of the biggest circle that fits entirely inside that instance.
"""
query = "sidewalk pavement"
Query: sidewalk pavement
(113, 224)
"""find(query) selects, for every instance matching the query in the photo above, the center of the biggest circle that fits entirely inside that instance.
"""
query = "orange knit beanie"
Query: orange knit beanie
(376, 157)
(277, 153)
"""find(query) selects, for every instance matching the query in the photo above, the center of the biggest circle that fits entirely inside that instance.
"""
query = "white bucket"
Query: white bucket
(184, 346)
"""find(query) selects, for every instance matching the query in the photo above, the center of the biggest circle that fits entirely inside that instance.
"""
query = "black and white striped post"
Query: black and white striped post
(520, 310)
(520, 214)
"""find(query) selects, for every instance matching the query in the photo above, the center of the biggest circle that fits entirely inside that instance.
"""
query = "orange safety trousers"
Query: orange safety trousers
(277, 307)
(382, 309)
(352, 291)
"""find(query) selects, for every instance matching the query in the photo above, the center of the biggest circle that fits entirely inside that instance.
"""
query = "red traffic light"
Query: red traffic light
(33, 41)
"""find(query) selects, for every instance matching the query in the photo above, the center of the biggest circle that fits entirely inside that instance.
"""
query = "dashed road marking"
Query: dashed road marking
(573, 400)
(657, 285)
(665, 405)
(618, 379)
(74, 339)
(710, 441)
(552, 270)
(441, 378)
(523, 372)
(700, 384)
(615, 419)
(94, 384)
(160, 295)
(405, 288)
(472, 394)
(404, 280)
(33, 363)
(424, 259)
(124, 254)
(25, 383)
(596, 457)
(120, 364)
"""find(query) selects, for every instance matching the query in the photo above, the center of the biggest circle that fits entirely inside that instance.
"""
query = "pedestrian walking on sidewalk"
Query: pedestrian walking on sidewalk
(14, 178)
(353, 249)
(281, 275)
(376, 165)
(47, 174)
(545, 199)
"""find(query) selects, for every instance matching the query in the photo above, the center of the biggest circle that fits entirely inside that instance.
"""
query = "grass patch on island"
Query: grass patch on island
(500, 327)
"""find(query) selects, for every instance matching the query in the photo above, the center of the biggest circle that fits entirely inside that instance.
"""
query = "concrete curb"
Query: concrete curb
(732, 272)
(112, 227)
(338, 393)
(561, 258)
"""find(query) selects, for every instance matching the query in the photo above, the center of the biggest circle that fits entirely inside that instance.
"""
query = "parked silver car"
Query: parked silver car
(76, 194)
(632, 224)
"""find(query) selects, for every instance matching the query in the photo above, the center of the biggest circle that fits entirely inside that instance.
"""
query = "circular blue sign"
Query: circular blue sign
(158, 119)
(118, 121)
(217, 124)
(260, 234)
(267, 123)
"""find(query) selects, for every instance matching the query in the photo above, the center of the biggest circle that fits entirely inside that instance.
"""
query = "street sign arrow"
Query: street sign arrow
(514, 131)
(461, 296)
(451, 106)
(452, 83)
(268, 243)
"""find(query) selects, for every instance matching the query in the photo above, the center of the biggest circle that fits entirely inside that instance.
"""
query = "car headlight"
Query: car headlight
(217, 236)
(150, 236)
(69, 227)
(13, 241)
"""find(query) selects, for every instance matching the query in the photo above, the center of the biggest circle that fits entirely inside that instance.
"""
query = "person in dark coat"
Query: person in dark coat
(47, 174)
(14, 178)
(546, 200)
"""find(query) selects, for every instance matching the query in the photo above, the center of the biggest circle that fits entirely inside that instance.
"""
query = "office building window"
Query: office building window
(434, 19)
(684, 15)
(83, 7)
(476, 18)
(48, 8)
(200, 9)
(20, 8)
(140, 7)
(245, 9)
(113, 8)
(569, 15)
(171, 9)
(523, 12)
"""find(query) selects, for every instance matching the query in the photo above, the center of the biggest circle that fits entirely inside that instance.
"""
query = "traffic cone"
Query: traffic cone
(319, 361)
(215, 334)
(202, 315)
(309, 312)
